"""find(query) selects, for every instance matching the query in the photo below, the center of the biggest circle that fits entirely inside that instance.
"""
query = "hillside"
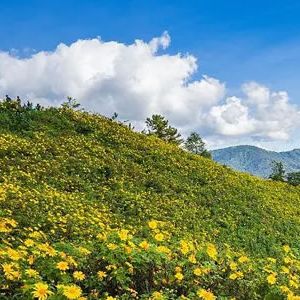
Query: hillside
(90, 208)
(255, 160)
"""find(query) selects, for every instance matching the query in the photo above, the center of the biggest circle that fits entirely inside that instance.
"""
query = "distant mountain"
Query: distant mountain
(255, 160)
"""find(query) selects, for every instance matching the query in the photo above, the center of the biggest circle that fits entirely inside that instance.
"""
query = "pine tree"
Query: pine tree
(157, 125)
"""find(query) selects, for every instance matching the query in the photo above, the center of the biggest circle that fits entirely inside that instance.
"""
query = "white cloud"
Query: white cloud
(261, 115)
(139, 79)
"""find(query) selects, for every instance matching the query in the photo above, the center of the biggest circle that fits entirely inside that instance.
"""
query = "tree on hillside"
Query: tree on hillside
(293, 178)
(157, 125)
(71, 103)
(278, 172)
(195, 144)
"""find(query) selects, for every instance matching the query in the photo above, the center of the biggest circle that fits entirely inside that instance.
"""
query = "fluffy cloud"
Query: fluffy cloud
(260, 115)
(140, 79)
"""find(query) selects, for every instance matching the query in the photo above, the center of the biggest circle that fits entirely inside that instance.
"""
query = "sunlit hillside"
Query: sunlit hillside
(90, 209)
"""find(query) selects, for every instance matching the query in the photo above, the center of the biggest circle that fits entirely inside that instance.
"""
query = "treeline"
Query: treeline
(279, 174)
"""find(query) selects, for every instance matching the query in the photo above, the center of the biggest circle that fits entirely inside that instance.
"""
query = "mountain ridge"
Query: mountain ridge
(255, 160)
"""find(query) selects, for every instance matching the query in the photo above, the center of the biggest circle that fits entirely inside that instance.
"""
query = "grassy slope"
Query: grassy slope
(105, 166)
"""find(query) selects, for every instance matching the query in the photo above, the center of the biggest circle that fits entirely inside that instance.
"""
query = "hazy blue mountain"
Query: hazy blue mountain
(255, 160)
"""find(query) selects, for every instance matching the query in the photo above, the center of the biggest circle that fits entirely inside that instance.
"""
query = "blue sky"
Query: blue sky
(234, 41)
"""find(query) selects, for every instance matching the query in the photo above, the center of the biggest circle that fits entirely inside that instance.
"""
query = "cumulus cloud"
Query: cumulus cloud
(259, 114)
(141, 79)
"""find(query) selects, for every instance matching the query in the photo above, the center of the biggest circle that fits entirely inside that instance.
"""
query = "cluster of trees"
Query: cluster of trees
(279, 174)
(159, 126)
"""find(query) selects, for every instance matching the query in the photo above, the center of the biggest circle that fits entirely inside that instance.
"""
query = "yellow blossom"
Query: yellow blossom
(243, 259)
(206, 295)
(152, 224)
(157, 296)
(163, 249)
(112, 246)
(184, 247)
(144, 245)
(78, 275)
(159, 237)
(192, 259)
(198, 272)
(212, 251)
(123, 234)
(72, 291)
(62, 266)
(233, 266)
(13, 254)
(29, 243)
(101, 275)
(284, 289)
(32, 273)
(41, 291)
(271, 279)
(179, 276)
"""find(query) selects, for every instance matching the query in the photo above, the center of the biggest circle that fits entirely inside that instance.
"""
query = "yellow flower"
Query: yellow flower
(178, 269)
(285, 270)
(13, 254)
(192, 259)
(123, 234)
(212, 251)
(233, 276)
(10, 271)
(287, 260)
(233, 266)
(293, 284)
(29, 243)
(157, 296)
(184, 247)
(206, 270)
(243, 259)
(7, 268)
(144, 245)
(101, 275)
(111, 298)
(72, 291)
(206, 295)
(272, 279)
(286, 248)
(112, 246)
(197, 272)
(179, 276)
(32, 273)
(30, 259)
(163, 249)
(41, 291)
(159, 237)
(84, 251)
(291, 296)
(152, 224)
(284, 289)
(62, 266)
(78, 275)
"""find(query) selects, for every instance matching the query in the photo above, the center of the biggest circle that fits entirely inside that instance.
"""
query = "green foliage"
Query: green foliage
(157, 125)
(81, 189)
(71, 103)
(278, 172)
(195, 145)
(293, 178)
